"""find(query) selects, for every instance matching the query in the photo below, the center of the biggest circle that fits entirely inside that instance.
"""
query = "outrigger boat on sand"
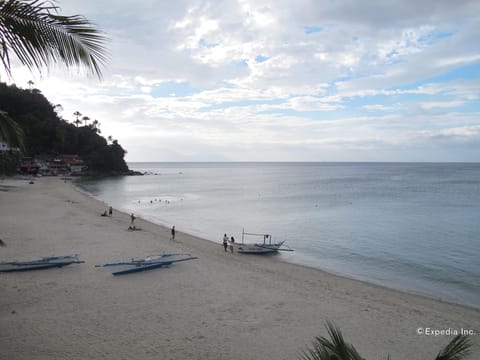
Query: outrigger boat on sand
(149, 263)
(265, 247)
(43, 263)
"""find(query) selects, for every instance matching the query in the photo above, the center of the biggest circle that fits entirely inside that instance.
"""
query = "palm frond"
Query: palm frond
(38, 36)
(10, 132)
(335, 348)
(457, 349)
(317, 353)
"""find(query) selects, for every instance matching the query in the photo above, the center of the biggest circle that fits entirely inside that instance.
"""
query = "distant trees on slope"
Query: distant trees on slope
(35, 32)
(47, 135)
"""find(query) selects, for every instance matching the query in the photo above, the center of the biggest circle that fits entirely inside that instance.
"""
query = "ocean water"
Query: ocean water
(407, 226)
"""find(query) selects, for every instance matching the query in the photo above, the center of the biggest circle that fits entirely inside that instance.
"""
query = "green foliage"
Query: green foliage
(48, 135)
(9, 162)
(10, 132)
(38, 36)
(336, 348)
(457, 349)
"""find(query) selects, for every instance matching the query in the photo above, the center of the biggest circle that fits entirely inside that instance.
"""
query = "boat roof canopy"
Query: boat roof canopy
(256, 234)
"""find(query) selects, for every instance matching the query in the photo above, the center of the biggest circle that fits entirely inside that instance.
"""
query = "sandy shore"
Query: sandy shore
(220, 306)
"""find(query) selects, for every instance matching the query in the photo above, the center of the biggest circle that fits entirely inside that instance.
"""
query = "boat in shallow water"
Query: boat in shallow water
(149, 263)
(38, 264)
(268, 246)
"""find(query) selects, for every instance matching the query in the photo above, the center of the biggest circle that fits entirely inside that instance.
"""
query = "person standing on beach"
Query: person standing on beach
(232, 241)
(225, 242)
(132, 220)
(110, 211)
(173, 233)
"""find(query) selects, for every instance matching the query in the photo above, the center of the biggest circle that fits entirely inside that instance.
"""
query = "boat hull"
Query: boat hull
(134, 266)
(139, 268)
(258, 248)
(39, 264)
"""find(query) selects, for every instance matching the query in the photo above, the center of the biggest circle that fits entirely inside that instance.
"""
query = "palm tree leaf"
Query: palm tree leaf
(38, 36)
(338, 346)
(458, 348)
(10, 132)
(334, 348)
(317, 353)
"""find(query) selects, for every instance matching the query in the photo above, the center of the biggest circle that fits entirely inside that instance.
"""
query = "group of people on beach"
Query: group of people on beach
(110, 212)
(132, 217)
(132, 222)
(226, 242)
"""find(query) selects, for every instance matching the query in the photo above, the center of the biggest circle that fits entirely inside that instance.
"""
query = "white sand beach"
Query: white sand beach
(219, 306)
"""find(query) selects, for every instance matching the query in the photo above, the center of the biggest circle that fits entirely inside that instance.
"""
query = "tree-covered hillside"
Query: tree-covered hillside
(48, 135)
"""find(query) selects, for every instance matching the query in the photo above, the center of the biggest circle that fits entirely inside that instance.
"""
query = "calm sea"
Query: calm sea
(413, 227)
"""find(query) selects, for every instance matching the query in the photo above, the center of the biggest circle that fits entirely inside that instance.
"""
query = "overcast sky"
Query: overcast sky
(279, 80)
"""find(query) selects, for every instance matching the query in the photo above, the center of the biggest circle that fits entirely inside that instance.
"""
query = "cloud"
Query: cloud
(272, 80)
(441, 104)
(377, 107)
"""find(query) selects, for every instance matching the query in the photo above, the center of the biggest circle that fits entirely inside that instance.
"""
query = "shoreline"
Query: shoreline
(430, 296)
(205, 309)
(325, 272)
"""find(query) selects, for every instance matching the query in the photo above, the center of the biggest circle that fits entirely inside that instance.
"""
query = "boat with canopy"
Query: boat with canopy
(268, 246)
